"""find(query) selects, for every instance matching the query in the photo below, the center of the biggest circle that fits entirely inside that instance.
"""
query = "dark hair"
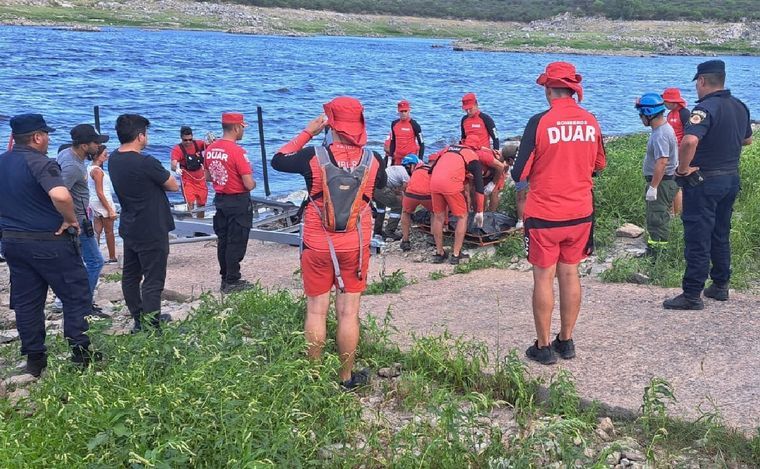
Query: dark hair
(562, 91)
(228, 127)
(129, 126)
(185, 130)
(714, 79)
(23, 139)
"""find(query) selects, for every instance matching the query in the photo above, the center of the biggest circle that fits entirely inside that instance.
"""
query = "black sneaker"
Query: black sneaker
(406, 246)
(85, 356)
(565, 348)
(717, 292)
(542, 355)
(236, 286)
(35, 363)
(358, 379)
(684, 302)
(440, 258)
(455, 260)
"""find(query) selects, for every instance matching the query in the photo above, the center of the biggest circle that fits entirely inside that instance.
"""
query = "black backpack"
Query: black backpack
(193, 162)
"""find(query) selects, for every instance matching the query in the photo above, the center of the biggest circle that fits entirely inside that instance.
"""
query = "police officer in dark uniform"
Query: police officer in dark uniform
(708, 171)
(41, 244)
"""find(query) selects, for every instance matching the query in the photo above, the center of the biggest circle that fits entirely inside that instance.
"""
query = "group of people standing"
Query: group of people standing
(561, 150)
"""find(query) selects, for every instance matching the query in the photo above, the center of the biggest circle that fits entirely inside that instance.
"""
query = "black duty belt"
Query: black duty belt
(719, 172)
(664, 178)
(239, 194)
(36, 236)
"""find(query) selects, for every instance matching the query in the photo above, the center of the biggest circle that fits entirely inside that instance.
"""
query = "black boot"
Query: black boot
(84, 356)
(685, 302)
(717, 292)
(35, 363)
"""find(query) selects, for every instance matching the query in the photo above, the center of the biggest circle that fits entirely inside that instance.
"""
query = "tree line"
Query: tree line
(529, 10)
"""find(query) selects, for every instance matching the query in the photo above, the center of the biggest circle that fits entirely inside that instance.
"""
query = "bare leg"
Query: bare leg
(569, 298)
(678, 203)
(110, 239)
(315, 327)
(521, 197)
(437, 226)
(543, 302)
(406, 224)
(347, 311)
(201, 214)
(459, 232)
(493, 201)
(97, 225)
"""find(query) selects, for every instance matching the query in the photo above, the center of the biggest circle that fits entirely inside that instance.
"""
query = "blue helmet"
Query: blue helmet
(410, 159)
(650, 104)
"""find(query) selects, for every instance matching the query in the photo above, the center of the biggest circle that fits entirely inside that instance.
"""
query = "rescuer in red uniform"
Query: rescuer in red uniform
(678, 118)
(560, 150)
(478, 123)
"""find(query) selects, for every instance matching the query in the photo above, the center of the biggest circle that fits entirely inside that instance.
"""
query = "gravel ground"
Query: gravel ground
(623, 337)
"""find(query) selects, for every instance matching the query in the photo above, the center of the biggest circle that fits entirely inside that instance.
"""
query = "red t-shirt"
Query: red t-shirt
(404, 135)
(560, 150)
(178, 156)
(226, 162)
(678, 118)
(483, 126)
(419, 181)
(450, 171)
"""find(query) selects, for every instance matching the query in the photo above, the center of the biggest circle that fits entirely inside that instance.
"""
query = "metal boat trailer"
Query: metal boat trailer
(273, 221)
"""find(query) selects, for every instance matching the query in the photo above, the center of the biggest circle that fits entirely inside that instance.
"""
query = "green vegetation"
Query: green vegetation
(619, 199)
(112, 277)
(528, 10)
(392, 283)
(437, 275)
(232, 387)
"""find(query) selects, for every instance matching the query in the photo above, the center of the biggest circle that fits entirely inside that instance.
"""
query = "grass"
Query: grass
(392, 283)
(113, 277)
(232, 387)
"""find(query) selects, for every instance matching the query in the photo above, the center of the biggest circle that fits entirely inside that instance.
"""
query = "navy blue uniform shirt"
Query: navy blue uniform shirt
(26, 177)
(721, 122)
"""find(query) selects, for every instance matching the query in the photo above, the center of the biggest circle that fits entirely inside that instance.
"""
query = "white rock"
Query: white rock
(629, 230)
(21, 380)
(6, 337)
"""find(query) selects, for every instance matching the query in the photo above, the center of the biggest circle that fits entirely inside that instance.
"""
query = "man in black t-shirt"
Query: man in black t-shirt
(140, 183)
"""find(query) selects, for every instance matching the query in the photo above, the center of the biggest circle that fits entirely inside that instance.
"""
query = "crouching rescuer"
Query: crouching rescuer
(341, 178)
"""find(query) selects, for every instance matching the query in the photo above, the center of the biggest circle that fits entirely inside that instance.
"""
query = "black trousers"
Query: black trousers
(143, 275)
(232, 224)
(35, 265)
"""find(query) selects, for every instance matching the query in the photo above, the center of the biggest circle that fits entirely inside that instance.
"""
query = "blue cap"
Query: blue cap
(28, 123)
(711, 66)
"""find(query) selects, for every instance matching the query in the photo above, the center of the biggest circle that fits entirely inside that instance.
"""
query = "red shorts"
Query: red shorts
(410, 202)
(195, 191)
(565, 244)
(318, 271)
(454, 203)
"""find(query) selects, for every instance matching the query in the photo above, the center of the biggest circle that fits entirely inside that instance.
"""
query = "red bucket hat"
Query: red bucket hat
(673, 95)
(561, 75)
(469, 100)
(404, 105)
(345, 115)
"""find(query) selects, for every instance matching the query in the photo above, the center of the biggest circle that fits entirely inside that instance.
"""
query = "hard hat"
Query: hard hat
(410, 159)
(650, 104)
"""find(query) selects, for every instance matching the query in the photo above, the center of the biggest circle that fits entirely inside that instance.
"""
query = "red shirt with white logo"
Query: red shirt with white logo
(482, 125)
(178, 156)
(560, 150)
(405, 139)
(227, 162)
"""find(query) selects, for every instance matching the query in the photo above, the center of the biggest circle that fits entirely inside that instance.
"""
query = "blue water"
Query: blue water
(189, 77)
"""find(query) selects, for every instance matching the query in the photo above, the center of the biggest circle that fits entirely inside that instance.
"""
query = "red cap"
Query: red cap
(561, 75)
(673, 95)
(404, 105)
(469, 100)
(345, 115)
(233, 118)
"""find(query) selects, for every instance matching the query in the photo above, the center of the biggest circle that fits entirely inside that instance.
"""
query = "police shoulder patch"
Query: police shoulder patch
(697, 116)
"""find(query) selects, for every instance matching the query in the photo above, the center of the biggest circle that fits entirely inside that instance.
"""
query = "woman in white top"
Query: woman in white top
(101, 202)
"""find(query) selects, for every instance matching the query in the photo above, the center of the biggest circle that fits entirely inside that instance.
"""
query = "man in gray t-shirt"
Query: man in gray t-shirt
(659, 165)
(85, 141)
(390, 198)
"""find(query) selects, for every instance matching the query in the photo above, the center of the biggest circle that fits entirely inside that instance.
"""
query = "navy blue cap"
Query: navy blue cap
(28, 123)
(711, 66)
(85, 133)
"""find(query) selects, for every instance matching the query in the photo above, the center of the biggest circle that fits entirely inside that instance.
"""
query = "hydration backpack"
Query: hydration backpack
(193, 162)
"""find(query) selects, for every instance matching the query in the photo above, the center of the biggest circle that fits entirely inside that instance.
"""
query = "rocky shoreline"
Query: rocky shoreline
(564, 34)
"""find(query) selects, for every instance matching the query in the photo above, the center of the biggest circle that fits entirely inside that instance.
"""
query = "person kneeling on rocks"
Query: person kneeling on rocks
(416, 194)
(389, 197)
(341, 178)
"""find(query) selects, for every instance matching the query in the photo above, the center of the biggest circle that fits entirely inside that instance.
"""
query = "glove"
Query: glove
(478, 219)
(651, 194)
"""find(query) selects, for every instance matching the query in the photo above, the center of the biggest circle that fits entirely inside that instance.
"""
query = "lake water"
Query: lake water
(189, 78)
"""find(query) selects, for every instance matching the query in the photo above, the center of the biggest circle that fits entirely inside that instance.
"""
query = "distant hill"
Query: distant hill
(529, 10)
